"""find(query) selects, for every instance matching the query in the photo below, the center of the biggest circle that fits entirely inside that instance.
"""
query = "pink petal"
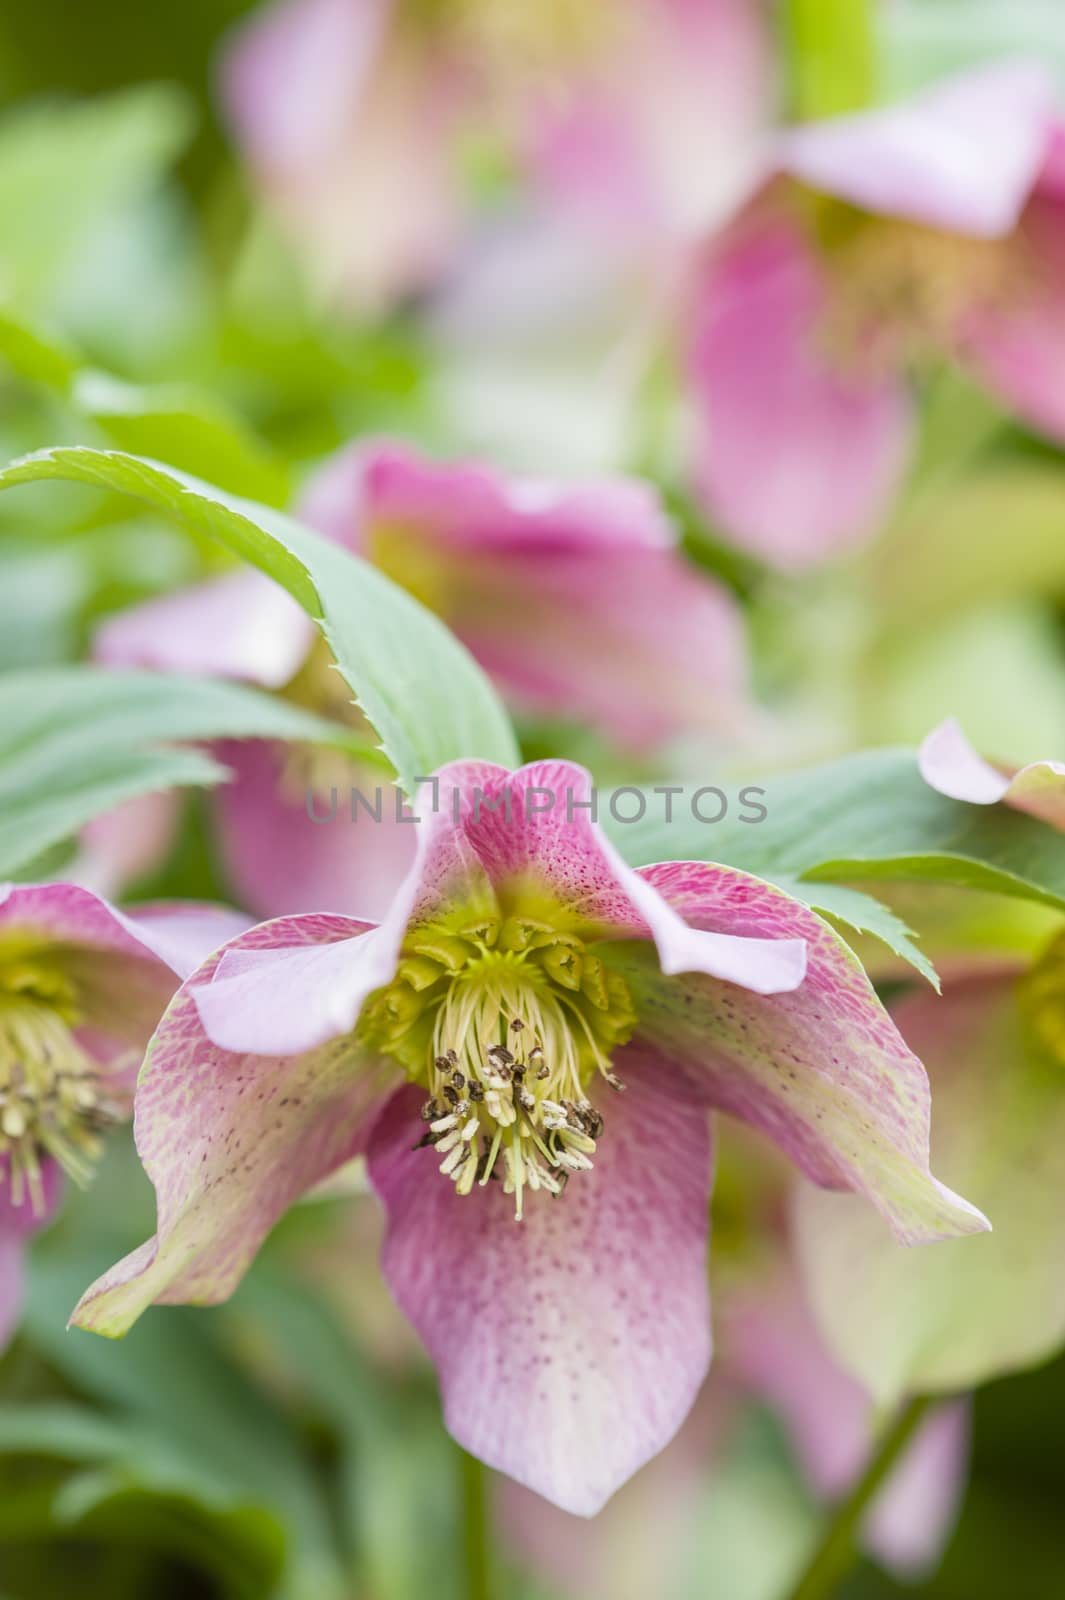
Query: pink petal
(950, 765)
(240, 626)
(535, 825)
(963, 156)
(822, 1070)
(278, 860)
(772, 1341)
(66, 914)
(571, 1345)
(349, 120)
(1015, 342)
(572, 596)
(795, 459)
(128, 843)
(229, 1142)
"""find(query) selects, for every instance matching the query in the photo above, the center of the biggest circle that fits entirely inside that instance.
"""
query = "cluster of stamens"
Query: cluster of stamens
(506, 1027)
(51, 1100)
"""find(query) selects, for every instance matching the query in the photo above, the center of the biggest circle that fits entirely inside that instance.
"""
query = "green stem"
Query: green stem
(835, 1553)
(833, 56)
(475, 1528)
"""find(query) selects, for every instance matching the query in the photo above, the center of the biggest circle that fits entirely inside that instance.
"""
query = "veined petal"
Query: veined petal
(796, 458)
(571, 1345)
(240, 626)
(963, 156)
(823, 1070)
(229, 1141)
(534, 827)
(949, 764)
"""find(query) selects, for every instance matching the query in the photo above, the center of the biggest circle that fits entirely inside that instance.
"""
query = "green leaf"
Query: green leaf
(867, 817)
(922, 43)
(954, 1314)
(419, 688)
(175, 422)
(77, 741)
(864, 914)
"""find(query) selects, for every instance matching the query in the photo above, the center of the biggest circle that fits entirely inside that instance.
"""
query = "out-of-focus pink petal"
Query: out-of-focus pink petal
(771, 1341)
(963, 156)
(795, 458)
(1015, 341)
(349, 122)
(572, 595)
(571, 1345)
(66, 914)
(534, 827)
(229, 1142)
(950, 765)
(127, 843)
(914, 1515)
(666, 131)
(279, 861)
(239, 626)
(185, 932)
(822, 1070)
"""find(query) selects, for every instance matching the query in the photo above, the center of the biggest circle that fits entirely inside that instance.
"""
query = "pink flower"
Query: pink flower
(357, 118)
(523, 977)
(574, 597)
(887, 238)
(81, 988)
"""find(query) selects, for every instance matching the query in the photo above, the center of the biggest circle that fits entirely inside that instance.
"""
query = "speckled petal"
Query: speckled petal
(229, 1142)
(823, 1071)
(534, 827)
(570, 1345)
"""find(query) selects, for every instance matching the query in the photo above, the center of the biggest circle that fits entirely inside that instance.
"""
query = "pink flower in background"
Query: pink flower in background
(564, 1023)
(930, 229)
(358, 119)
(81, 988)
(573, 596)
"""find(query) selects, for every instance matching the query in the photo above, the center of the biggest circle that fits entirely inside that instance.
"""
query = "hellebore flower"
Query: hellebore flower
(359, 119)
(564, 1022)
(925, 230)
(573, 597)
(81, 988)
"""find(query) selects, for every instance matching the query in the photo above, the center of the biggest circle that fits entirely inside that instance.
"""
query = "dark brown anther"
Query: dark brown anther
(525, 1099)
(430, 1111)
(476, 1090)
(544, 1072)
(593, 1122)
(561, 1178)
(426, 1138)
(458, 1080)
(517, 1025)
(499, 1052)
(615, 1083)
(451, 1095)
(453, 1058)
(443, 1065)
(518, 1073)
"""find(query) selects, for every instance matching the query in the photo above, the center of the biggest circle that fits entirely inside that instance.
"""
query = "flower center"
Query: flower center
(1042, 998)
(901, 291)
(51, 1100)
(506, 1025)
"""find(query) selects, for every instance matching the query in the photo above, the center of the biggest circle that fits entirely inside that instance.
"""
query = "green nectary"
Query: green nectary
(1042, 999)
(506, 1024)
